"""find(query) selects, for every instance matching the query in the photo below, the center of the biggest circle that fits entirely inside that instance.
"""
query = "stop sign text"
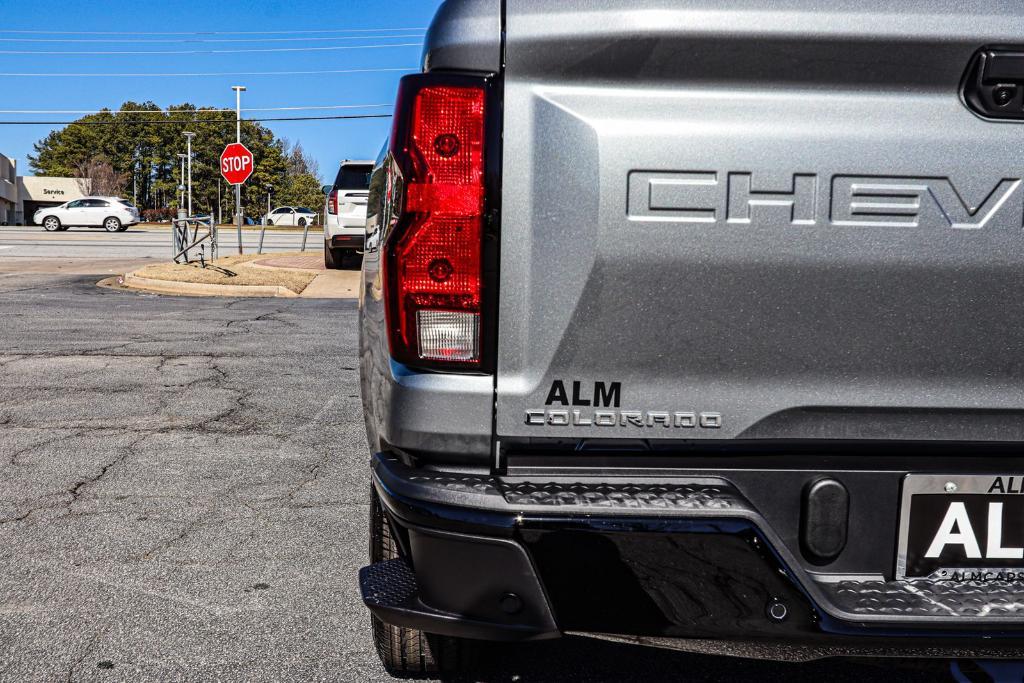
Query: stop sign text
(236, 163)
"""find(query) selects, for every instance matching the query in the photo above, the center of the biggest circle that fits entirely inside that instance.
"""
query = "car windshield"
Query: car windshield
(126, 203)
(354, 177)
(303, 209)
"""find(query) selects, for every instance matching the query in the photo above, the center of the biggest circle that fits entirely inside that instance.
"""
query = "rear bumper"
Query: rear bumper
(344, 224)
(670, 563)
(344, 241)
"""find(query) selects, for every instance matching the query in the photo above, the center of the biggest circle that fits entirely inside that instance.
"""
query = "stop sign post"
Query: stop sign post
(236, 163)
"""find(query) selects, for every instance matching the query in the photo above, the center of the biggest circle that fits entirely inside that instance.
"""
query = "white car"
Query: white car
(291, 215)
(345, 212)
(113, 214)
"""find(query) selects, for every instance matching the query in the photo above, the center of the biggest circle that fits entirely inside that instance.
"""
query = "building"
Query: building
(22, 196)
(8, 191)
(36, 192)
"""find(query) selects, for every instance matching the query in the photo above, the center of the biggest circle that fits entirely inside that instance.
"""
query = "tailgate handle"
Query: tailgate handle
(993, 85)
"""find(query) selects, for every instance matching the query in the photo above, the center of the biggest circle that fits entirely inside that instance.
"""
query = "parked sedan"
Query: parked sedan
(113, 214)
(291, 215)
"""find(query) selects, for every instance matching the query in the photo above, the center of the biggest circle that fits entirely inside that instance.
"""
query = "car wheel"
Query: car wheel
(123, 228)
(302, 222)
(112, 224)
(405, 651)
(51, 224)
(270, 222)
(333, 258)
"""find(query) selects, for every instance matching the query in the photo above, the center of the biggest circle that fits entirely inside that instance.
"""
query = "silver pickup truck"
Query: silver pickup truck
(700, 324)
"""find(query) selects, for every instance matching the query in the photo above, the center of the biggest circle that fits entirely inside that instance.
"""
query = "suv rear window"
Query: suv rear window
(353, 177)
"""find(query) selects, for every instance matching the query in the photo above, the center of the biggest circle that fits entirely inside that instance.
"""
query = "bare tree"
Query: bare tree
(300, 163)
(97, 176)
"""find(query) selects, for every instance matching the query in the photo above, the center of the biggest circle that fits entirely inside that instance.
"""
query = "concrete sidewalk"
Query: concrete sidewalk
(333, 284)
(328, 284)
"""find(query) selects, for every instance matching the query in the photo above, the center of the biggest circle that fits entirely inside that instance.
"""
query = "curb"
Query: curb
(203, 289)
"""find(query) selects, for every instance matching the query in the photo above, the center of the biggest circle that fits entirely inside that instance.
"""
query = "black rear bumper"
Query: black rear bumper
(344, 241)
(669, 562)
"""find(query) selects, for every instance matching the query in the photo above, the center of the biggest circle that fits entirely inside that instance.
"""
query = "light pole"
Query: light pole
(189, 136)
(180, 229)
(238, 138)
(181, 183)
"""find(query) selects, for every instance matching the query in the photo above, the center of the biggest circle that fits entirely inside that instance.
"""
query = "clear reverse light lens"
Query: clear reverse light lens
(448, 335)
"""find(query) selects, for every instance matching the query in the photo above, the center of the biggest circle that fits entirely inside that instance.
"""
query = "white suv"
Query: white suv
(345, 213)
(113, 214)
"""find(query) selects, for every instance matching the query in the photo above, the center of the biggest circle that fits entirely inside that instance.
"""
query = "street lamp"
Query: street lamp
(181, 183)
(179, 228)
(188, 136)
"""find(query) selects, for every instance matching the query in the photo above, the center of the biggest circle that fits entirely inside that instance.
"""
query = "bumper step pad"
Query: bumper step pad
(391, 592)
(990, 601)
(390, 584)
(495, 493)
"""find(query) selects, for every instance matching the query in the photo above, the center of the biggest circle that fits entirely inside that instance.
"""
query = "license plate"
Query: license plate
(962, 528)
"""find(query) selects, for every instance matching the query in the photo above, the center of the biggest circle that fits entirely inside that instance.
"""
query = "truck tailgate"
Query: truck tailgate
(758, 220)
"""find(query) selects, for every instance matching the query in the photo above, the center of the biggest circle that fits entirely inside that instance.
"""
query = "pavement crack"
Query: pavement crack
(269, 315)
(127, 451)
(66, 499)
(14, 455)
(89, 648)
(191, 526)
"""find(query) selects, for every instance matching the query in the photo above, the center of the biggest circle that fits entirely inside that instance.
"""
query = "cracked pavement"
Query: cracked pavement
(183, 496)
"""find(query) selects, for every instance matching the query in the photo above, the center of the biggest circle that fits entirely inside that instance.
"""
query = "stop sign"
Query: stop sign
(236, 163)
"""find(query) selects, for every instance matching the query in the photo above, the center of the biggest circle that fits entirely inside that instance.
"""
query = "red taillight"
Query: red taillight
(435, 254)
(332, 202)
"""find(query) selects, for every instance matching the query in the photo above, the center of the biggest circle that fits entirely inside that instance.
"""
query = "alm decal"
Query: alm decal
(599, 405)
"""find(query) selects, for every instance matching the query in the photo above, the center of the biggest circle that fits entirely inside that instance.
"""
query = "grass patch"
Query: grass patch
(231, 270)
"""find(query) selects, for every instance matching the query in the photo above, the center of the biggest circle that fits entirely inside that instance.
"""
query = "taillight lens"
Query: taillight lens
(435, 252)
(332, 203)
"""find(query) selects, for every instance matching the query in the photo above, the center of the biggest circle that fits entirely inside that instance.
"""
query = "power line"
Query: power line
(188, 111)
(304, 39)
(207, 33)
(110, 53)
(205, 74)
(193, 123)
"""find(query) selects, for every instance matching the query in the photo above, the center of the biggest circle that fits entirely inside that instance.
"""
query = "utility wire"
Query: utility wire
(305, 39)
(187, 111)
(207, 33)
(204, 74)
(193, 123)
(111, 53)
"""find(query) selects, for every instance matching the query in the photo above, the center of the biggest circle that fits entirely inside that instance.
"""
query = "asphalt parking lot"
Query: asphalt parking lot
(184, 496)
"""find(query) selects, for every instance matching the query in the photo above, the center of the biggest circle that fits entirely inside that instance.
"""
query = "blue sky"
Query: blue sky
(327, 141)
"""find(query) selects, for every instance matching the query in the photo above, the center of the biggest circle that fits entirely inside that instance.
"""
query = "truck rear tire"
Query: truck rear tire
(406, 652)
(333, 257)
